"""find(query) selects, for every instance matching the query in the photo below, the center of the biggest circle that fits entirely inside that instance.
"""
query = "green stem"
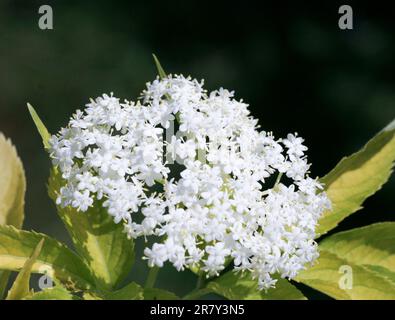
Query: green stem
(200, 282)
(4, 275)
(151, 278)
(278, 180)
(199, 290)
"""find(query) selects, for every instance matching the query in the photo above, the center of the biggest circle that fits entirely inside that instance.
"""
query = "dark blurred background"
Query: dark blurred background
(291, 63)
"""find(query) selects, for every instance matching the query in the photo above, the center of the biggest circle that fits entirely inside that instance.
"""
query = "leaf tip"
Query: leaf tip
(161, 71)
(390, 126)
(39, 247)
(45, 135)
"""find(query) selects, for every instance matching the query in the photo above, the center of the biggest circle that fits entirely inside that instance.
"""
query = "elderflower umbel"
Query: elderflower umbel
(219, 203)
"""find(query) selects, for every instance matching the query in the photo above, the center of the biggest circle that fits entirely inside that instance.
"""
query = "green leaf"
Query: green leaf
(4, 275)
(12, 193)
(101, 243)
(132, 291)
(151, 277)
(159, 294)
(12, 185)
(369, 252)
(88, 295)
(357, 177)
(241, 286)
(55, 259)
(162, 73)
(58, 292)
(45, 135)
(21, 286)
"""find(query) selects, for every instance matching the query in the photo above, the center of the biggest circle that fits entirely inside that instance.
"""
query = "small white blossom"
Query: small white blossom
(295, 145)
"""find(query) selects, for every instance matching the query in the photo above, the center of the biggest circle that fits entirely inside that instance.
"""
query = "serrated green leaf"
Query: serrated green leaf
(45, 135)
(357, 177)
(161, 72)
(159, 294)
(21, 286)
(241, 286)
(368, 251)
(132, 291)
(102, 244)
(12, 193)
(58, 292)
(12, 185)
(55, 259)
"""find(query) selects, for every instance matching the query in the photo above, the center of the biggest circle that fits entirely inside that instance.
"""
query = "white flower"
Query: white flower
(216, 258)
(217, 203)
(295, 145)
(82, 200)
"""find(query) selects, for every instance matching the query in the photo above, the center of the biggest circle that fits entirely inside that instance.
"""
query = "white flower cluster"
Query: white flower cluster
(220, 202)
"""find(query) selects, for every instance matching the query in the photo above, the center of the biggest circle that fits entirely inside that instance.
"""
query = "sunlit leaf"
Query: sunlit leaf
(12, 185)
(55, 259)
(102, 244)
(161, 72)
(240, 286)
(58, 292)
(368, 252)
(21, 286)
(132, 291)
(45, 135)
(12, 193)
(357, 177)
(159, 294)
(88, 295)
